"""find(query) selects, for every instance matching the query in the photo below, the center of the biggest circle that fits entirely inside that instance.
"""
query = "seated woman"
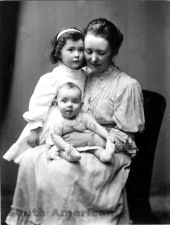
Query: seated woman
(88, 192)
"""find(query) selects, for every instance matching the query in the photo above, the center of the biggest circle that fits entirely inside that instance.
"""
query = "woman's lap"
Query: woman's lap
(54, 186)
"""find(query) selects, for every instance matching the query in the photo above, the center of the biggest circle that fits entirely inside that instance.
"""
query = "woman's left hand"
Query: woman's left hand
(77, 139)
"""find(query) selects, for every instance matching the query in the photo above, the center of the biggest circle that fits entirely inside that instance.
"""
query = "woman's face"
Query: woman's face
(98, 53)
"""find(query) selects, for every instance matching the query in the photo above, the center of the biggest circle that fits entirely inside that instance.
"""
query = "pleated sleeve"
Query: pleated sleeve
(128, 107)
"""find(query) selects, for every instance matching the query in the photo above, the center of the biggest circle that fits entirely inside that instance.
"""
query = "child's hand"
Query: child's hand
(33, 138)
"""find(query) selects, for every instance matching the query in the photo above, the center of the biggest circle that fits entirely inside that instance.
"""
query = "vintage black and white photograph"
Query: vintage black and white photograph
(85, 112)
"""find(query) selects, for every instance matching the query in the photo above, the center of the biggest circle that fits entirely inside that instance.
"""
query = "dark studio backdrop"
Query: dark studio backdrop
(26, 29)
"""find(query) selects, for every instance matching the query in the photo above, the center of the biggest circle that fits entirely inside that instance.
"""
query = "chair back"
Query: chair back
(139, 181)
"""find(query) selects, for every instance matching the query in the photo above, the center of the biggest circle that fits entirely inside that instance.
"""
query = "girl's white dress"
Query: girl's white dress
(40, 102)
(53, 192)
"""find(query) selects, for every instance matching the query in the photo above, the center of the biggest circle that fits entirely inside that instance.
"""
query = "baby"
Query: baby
(68, 117)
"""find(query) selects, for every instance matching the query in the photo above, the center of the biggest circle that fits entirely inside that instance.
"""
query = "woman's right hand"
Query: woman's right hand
(77, 139)
(33, 138)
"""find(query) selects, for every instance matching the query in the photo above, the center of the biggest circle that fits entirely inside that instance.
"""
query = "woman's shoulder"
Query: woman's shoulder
(126, 78)
(126, 81)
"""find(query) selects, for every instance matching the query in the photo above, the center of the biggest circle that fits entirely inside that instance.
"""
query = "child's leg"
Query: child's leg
(96, 140)
(72, 155)
(105, 152)
(107, 155)
(63, 154)
(53, 153)
(98, 152)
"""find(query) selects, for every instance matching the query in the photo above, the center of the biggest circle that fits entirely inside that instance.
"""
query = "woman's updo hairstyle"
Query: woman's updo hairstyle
(108, 30)
(59, 40)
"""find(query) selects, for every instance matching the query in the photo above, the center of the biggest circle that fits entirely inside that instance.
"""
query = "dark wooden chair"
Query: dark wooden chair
(138, 184)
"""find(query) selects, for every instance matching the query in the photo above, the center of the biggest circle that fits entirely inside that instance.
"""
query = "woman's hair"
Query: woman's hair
(59, 40)
(108, 30)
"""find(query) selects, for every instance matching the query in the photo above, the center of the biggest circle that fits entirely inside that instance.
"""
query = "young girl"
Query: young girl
(68, 55)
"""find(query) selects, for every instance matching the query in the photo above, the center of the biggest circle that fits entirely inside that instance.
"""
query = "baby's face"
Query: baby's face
(69, 102)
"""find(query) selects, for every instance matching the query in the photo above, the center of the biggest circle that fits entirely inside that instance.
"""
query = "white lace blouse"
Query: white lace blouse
(115, 98)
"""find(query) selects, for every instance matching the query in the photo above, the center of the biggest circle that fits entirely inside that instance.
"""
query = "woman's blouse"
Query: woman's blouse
(46, 90)
(115, 99)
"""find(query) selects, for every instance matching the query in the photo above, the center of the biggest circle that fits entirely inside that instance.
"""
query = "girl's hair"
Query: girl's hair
(58, 42)
(108, 30)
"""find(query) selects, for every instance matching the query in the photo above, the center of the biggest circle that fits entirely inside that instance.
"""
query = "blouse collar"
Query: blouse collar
(112, 69)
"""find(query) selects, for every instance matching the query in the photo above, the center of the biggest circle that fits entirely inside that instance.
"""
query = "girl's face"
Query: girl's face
(72, 54)
(98, 53)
